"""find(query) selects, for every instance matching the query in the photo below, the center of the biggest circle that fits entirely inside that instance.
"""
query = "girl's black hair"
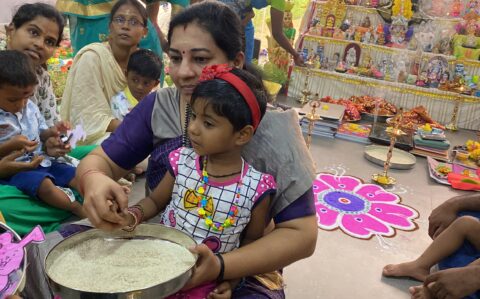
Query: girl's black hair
(226, 101)
(28, 12)
(141, 9)
(217, 19)
(16, 69)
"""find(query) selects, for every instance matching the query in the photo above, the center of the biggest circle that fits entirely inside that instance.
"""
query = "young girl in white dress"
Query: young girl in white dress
(210, 192)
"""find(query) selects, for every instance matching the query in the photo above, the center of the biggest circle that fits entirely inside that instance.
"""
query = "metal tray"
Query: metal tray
(400, 159)
(143, 231)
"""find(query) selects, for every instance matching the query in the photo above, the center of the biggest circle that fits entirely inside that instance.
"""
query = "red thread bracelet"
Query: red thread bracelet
(82, 177)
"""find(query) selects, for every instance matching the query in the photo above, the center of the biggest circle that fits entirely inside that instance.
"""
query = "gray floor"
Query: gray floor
(345, 267)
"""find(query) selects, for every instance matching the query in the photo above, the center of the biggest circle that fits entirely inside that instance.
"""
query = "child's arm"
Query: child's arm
(155, 202)
(60, 127)
(52, 144)
(17, 143)
(10, 167)
(253, 231)
(258, 222)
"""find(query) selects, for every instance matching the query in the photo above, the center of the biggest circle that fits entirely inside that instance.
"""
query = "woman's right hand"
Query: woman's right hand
(105, 201)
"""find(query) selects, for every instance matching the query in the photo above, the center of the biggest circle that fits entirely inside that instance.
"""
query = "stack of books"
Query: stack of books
(354, 132)
(431, 144)
(379, 135)
(330, 118)
(322, 127)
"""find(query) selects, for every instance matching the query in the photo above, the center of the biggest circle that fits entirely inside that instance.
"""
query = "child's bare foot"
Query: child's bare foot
(420, 292)
(410, 269)
(138, 170)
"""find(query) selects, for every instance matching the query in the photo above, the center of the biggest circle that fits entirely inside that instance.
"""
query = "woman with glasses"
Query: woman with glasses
(89, 23)
(98, 72)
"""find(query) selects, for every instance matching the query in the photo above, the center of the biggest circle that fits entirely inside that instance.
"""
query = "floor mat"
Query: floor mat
(360, 210)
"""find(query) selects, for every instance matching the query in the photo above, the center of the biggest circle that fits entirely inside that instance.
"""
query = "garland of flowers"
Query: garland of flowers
(402, 8)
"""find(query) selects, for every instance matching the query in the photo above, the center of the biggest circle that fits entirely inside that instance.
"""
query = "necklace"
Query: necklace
(185, 139)
(217, 226)
(224, 175)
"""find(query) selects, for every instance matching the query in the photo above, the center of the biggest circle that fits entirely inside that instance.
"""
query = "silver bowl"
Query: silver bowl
(143, 231)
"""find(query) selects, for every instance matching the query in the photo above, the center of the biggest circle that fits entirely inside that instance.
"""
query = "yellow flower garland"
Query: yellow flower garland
(402, 7)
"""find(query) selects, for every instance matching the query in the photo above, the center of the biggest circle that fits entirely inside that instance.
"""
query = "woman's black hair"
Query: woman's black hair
(216, 18)
(145, 63)
(226, 101)
(139, 6)
(16, 69)
(28, 12)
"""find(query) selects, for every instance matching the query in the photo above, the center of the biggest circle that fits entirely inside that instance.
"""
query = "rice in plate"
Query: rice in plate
(98, 262)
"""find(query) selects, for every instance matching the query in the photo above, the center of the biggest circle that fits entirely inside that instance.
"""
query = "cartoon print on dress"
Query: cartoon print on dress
(172, 219)
(11, 257)
(191, 200)
(213, 243)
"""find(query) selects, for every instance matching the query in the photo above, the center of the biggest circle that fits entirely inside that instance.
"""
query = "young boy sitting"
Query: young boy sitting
(143, 71)
(23, 128)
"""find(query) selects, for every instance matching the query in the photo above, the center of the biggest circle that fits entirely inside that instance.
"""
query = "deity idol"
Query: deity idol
(351, 58)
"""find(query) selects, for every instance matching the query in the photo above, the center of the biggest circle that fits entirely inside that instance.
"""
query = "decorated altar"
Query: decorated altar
(411, 55)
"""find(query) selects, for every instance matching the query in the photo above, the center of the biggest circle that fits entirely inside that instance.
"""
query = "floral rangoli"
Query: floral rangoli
(359, 210)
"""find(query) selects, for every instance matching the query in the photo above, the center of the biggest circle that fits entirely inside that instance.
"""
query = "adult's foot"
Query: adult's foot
(410, 269)
(420, 292)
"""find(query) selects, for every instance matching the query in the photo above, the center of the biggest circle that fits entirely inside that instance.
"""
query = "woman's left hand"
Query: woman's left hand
(206, 269)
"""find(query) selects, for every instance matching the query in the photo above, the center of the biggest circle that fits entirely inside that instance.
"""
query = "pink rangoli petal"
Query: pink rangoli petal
(340, 202)
(319, 186)
(376, 193)
(327, 218)
(339, 182)
(364, 226)
(396, 215)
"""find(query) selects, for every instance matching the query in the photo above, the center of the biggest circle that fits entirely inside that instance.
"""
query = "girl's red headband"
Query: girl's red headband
(222, 71)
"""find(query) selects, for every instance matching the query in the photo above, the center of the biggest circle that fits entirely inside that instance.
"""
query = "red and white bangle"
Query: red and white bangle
(137, 213)
(131, 227)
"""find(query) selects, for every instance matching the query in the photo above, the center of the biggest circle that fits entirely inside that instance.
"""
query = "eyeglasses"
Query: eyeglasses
(120, 20)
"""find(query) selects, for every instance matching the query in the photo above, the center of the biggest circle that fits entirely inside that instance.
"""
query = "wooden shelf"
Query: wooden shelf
(450, 58)
(433, 93)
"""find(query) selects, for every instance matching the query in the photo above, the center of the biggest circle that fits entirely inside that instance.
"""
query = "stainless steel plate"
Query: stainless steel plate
(143, 231)
(400, 159)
